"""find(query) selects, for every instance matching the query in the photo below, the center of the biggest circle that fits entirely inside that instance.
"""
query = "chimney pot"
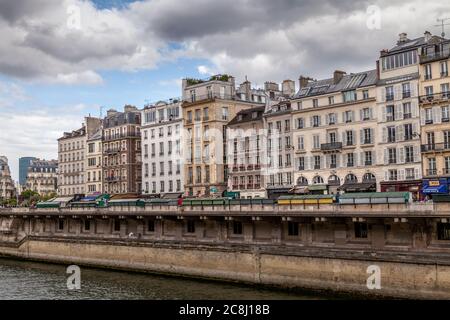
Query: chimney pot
(337, 76)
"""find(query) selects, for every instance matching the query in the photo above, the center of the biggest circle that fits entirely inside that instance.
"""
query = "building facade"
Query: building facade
(93, 164)
(399, 121)
(42, 177)
(334, 124)
(246, 156)
(162, 150)
(7, 189)
(208, 105)
(121, 148)
(24, 164)
(434, 102)
(72, 158)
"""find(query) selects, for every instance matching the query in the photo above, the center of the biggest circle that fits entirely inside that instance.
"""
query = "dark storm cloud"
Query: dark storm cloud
(13, 10)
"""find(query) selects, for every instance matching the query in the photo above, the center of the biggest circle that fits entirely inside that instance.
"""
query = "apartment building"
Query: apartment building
(121, 147)
(162, 149)
(93, 163)
(24, 164)
(334, 124)
(246, 156)
(42, 177)
(434, 102)
(72, 158)
(7, 189)
(208, 105)
(279, 151)
(399, 121)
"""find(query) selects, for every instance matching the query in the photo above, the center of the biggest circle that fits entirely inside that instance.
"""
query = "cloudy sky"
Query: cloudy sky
(63, 59)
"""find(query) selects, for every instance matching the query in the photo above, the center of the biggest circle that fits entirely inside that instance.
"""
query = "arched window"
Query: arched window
(351, 178)
(369, 177)
(334, 180)
(317, 180)
(302, 181)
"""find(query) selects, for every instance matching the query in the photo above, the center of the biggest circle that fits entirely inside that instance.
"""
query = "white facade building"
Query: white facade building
(162, 155)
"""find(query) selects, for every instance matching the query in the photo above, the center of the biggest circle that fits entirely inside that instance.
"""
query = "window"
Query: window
(299, 105)
(197, 115)
(391, 134)
(190, 226)
(333, 160)
(237, 227)
(409, 174)
(332, 118)
(444, 69)
(91, 147)
(316, 121)
(367, 135)
(316, 141)
(443, 231)
(399, 60)
(365, 114)
(351, 178)
(392, 175)
(408, 131)
(350, 160)
(365, 94)
(429, 91)
(349, 138)
(390, 113)
(315, 103)
(292, 228)
(368, 158)
(406, 90)
(301, 143)
(205, 114)
(151, 225)
(361, 230)
(349, 96)
(409, 154)
(116, 225)
(317, 180)
(428, 116)
(87, 225)
(392, 155)
(348, 116)
(317, 162)
(300, 123)
(445, 113)
(427, 75)
(407, 110)
(225, 113)
(431, 167)
(331, 100)
(301, 163)
(287, 125)
(389, 93)
(60, 224)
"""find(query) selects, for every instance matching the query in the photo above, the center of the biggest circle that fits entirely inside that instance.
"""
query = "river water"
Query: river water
(31, 280)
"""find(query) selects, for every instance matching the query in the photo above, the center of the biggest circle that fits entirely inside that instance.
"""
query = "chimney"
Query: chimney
(303, 81)
(427, 36)
(288, 87)
(402, 37)
(337, 76)
(111, 112)
(129, 108)
(246, 88)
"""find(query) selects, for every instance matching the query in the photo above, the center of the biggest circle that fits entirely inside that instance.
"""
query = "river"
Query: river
(32, 280)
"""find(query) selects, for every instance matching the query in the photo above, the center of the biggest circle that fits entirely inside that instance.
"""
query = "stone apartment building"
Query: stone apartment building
(434, 102)
(246, 156)
(42, 177)
(162, 149)
(334, 133)
(7, 189)
(93, 165)
(208, 105)
(399, 117)
(72, 158)
(121, 149)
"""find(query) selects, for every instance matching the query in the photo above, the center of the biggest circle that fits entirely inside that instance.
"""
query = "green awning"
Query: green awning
(317, 187)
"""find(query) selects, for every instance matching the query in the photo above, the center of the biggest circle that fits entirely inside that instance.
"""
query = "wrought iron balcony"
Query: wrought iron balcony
(431, 147)
(434, 56)
(331, 146)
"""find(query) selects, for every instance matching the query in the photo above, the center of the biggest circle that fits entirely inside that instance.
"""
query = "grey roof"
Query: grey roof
(120, 118)
(348, 82)
(414, 43)
(246, 115)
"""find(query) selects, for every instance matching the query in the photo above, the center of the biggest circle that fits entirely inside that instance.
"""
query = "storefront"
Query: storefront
(318, 189)
(351, 187)
(413, 186)
(432, 187)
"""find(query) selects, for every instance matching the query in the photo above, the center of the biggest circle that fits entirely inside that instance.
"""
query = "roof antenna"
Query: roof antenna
(442, 24)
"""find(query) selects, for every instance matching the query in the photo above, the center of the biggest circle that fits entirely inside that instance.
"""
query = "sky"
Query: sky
(61, 60)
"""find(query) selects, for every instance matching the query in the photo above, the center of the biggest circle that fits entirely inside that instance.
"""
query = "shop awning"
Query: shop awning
(358, 187)
(299, 190)
(317, 187)
(435, 189)
(171, 195)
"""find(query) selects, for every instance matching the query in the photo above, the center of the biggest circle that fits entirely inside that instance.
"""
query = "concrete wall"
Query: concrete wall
(245, 264)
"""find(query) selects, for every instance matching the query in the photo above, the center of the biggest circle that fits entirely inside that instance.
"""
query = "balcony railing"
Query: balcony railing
(431, 172)
(389, 97)
(212, 96)
(121, 136)
(435, 147)
(428, 98)
(434, 56)
(331, 146)
(406, 94)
